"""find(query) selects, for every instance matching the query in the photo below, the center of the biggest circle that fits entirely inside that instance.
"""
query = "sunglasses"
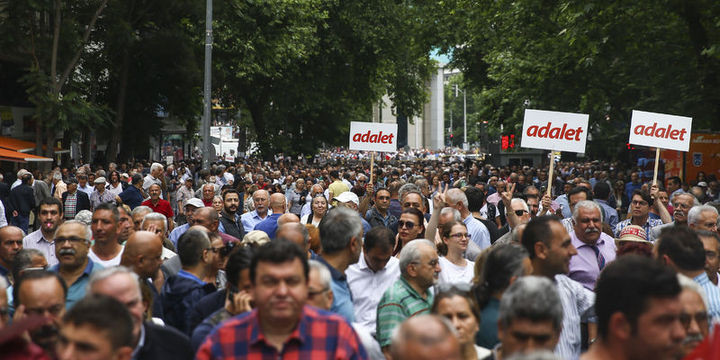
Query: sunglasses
(406, 224)
(520, 212)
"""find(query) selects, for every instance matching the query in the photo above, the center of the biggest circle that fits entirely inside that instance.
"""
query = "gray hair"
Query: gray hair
(140, 209)
(57, 175)
(694, 213)
(454, 196)
(338, 227)
(687, 283)
(515, 233)
(23, 260)
(456, 214)
(105, 273)
(154, 216)
(694, 199)
(586, 204)
(84, 216)
(407, 188)
(323, 273)
(520, 201)
(534, 298)
(411, 253)
(156, 166)
(88, 232)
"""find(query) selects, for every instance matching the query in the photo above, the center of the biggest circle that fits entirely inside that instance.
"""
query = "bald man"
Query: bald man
(297, 233)
(425, 337)
(278, 205)
(287, 218)
(143, 255)
(11, 242)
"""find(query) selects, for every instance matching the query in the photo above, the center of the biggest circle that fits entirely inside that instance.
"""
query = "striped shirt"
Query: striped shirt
(577, 303)
(398, 303)
(712, 293)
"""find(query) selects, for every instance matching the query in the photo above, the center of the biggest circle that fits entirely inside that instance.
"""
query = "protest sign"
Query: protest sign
(373, 137)
(660, 131)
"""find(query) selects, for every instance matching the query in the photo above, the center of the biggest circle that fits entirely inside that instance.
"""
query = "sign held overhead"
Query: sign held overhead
(660, 130)
(553, 130)
(373, 136)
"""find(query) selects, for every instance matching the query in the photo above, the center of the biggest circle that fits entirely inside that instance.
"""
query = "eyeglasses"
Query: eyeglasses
(701, 318)
(460, 236)
(432, 263)
(312, 293)
(71, 239)
(406, 224)
(520, 212)
(639, 203)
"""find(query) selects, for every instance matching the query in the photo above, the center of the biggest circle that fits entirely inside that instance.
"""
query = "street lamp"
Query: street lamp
(465, 142)
(207, 145)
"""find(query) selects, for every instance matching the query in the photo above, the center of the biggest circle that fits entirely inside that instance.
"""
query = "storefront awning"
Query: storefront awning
(22, 145)
(9, 155)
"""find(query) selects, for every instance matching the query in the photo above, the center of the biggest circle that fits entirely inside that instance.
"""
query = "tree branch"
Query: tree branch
(76, 57)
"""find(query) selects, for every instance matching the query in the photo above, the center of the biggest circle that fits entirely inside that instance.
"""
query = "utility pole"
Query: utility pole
(207, 144)
(465, 143)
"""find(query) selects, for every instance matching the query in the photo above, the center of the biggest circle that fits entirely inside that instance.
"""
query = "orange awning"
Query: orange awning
(9, 155)
(21, 145)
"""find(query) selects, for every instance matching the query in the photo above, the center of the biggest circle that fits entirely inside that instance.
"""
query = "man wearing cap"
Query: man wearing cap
(100, 195)
(184, 193)
(74, 201)
(350, 200)
(595, 249)
(191, 205)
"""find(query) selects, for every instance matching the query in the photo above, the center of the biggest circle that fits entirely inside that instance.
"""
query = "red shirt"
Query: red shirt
(163, 207)
(207, 203)
(318, 335)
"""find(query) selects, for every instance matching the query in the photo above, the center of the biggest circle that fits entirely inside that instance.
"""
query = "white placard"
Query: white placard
(553, 130)
(373, 136)
(660, 130)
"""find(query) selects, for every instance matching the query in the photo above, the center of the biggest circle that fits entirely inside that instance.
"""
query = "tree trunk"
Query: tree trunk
(112, 151)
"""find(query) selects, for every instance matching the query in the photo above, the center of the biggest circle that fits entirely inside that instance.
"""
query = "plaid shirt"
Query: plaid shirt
(319, 335)
(70, 208)
(398, 303)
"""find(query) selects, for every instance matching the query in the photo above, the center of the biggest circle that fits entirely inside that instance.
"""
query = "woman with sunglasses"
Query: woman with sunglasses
(410, 227)
(455, 268)
(455, 303)
(318, 209)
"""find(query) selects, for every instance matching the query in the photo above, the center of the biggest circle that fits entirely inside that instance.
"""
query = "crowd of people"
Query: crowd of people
(424, 256)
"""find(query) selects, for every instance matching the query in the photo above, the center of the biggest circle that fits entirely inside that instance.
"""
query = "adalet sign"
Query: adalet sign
(553, 130)
(373, 136)
(660, 130)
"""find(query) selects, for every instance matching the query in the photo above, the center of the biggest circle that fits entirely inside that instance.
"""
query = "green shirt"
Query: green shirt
(398, 303)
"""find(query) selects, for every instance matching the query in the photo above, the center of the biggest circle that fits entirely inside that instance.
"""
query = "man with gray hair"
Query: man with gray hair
(58, 185)
(72, 244)
(595, 249)
(694, 315)
(530, 317)
(341, 234)
(410, 295)
(150, 341)
(703, 217)
(682, 203)
(156, 170)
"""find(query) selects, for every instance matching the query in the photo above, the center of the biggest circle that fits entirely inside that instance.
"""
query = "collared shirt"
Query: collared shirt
(367, 287)
(150, 180)
(177, 233)
(36, 240)
(585, 266)
(141, 341)
(76, 291)
(70, 207)
(163, 207)
(318, 335)
(131, 196)
(650, 223)
(611, 215)
(96, 198)
(269, 225)
(712, 293)
(250, 219)
(577, 303)
(398, 303)
(342, 297)
(86, 189)
(479, 233)
(184, 194)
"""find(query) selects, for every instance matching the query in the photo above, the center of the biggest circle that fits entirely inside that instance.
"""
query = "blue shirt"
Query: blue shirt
(342, 297)
(479, 234)
(269, 225)
(177, 233)
(712, 293)
(611, 215)
(251, 219)
(76, 291)
(131, 196)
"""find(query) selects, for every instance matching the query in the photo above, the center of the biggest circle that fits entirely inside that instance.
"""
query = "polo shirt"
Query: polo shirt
(76, 291)
(163, 207)
(398, 303)
(269, 225)
(342, 297)
(585, 266)
(318, 335)
(177, 233)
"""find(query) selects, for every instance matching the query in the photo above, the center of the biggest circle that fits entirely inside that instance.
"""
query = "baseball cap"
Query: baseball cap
(348, 196)
(195, 202)
(100, 180)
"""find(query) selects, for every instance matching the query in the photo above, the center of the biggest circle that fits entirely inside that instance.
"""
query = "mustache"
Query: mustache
(45, 331)
(592, 230)
(678, 213)
(67, 252)
(692, 338)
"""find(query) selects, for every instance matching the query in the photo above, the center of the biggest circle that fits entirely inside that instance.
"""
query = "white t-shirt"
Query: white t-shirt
(107, 263)
(453, 274)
